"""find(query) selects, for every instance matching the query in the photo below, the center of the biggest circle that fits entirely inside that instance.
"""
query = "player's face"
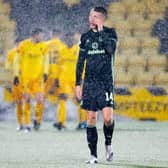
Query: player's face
(95, 18)
(39, 37)
(54, 35)
(77, 37)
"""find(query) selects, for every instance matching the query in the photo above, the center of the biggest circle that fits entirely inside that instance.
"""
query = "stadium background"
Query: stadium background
(141, 71)
(141, 67)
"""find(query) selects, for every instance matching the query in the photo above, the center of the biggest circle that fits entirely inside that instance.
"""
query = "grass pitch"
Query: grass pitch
(136, 145)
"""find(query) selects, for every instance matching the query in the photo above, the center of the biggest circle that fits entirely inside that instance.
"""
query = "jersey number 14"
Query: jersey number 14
(109, 96)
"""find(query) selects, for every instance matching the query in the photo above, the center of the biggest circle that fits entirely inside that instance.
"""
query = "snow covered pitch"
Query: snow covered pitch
(136, 145)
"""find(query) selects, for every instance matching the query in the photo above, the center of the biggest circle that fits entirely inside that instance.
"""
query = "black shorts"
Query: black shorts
(96, 96)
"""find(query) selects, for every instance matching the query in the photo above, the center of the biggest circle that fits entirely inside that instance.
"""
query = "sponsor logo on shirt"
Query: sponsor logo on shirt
(95, 50)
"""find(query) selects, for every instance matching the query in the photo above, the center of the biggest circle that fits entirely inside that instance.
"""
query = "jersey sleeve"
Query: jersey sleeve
(17, 59)
(16, 65)
(46, 59)
(45, 48)
(81, 60)
(46, 64)
(21, 48)
(109, 40)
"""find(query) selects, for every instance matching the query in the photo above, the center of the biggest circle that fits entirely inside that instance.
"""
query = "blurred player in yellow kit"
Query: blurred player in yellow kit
(82, 112)
(16, 92)
(55, 45)
(9, 66)
(66, 84)
(31, 68)
(56, 50)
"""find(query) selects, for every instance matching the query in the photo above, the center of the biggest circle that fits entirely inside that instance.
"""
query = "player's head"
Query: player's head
(76, 37)
(97, 14)
(37, 34)
(69, 39)
(55, 33)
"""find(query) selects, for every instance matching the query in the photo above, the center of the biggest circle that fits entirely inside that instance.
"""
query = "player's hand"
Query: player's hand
(56, 83)
(16, 80)
(45, 77)
(99, 26)
(78, 92)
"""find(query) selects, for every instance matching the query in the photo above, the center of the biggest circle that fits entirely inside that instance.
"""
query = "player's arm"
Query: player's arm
(16, 69)
(80, 68)
(80, 62)
(46, 67)
(109, 40)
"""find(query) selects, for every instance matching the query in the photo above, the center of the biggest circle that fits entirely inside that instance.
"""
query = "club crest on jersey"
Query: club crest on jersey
(95, 45)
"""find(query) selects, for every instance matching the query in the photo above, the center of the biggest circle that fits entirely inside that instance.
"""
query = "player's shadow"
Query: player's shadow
(129, 165)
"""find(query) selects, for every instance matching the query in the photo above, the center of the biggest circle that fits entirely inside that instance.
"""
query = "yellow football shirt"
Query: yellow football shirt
(55, 46)
(32, 61)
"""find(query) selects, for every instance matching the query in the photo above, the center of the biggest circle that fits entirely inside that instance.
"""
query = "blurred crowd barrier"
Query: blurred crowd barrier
(150, 103)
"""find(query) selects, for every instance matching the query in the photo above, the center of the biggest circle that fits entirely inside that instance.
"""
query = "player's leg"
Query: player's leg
(92, 136)
(17, 97)
(50, 91)
(106, 104)
(52, 96)
(82, 114)
(39, 109)
(61, 112)
(27, 111)
(82, 118)
(89, 103)
(19, 114)
(38, 91)
(108, 129)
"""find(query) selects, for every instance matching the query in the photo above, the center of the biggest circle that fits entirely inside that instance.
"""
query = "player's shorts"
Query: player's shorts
(51, 91)
(66, 87)
(95, 97)
(49, 87)
(17, 92)
(33, 87)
